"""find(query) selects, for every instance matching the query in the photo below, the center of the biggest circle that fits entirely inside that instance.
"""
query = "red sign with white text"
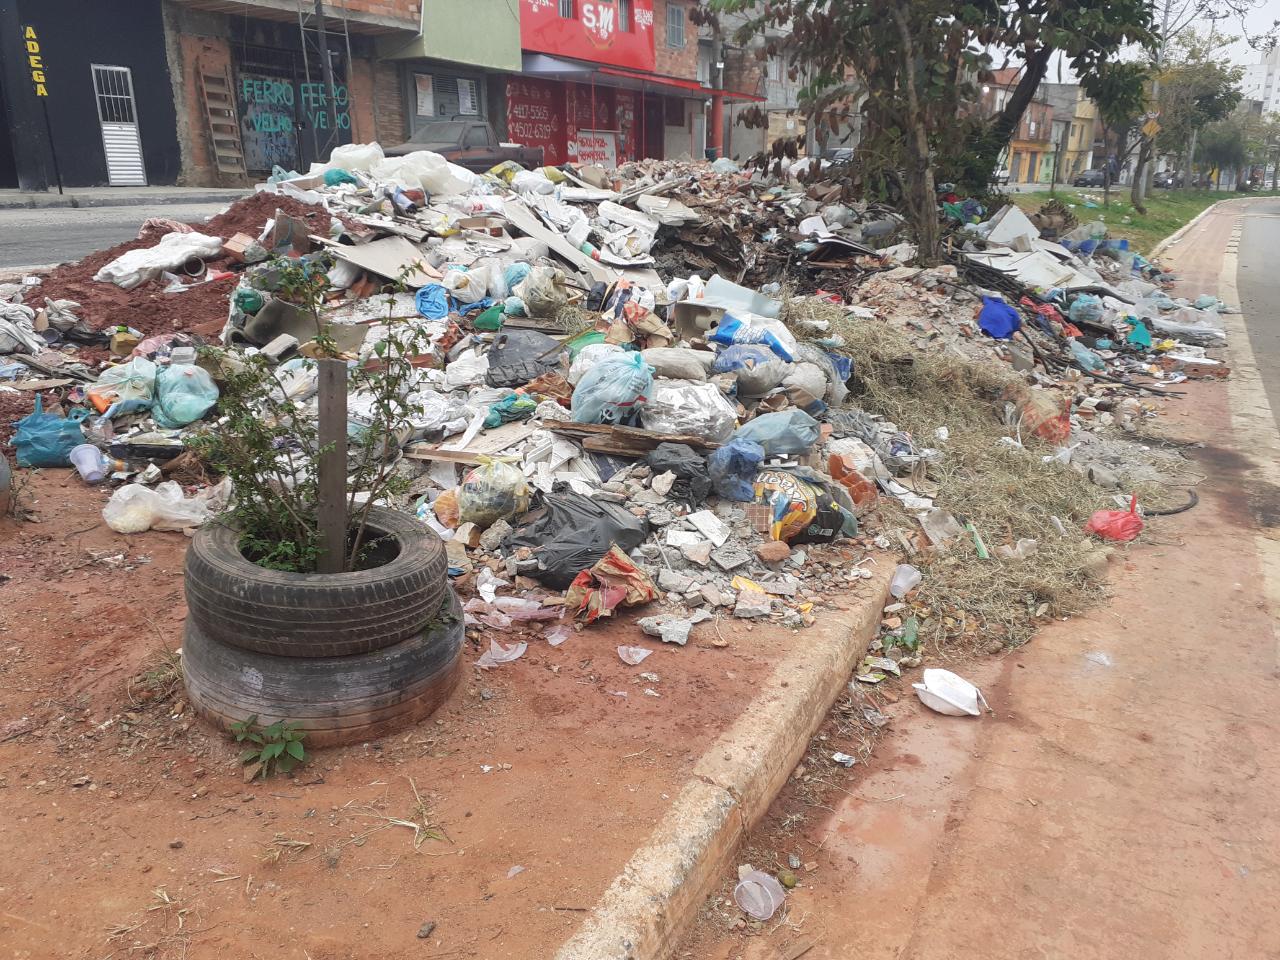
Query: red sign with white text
(595, 32)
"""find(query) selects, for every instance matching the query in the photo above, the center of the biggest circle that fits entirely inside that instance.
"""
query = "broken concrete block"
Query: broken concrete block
(699, 553)
(710, 526)
(492, 538)
(711, 594)
(683, 538)
(730, 557)
(468, 533)
(752, 603)
(667, 628)
(673, 582)
(663, 483)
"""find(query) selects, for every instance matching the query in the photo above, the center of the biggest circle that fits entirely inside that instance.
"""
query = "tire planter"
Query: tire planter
(234, 601)
(334, 700)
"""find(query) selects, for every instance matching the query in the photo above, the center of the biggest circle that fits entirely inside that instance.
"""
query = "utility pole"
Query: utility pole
(1146, 175)
(326, 67)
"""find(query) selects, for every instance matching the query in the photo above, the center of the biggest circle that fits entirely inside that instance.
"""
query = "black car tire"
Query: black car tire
(236, 602)
(333, 700)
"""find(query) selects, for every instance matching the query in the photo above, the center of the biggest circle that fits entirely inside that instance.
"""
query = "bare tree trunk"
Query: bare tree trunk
(1022, 95)
(922, 202)
(1139, 180)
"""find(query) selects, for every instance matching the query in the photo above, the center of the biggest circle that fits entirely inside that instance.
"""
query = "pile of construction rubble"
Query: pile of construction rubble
(637, 388)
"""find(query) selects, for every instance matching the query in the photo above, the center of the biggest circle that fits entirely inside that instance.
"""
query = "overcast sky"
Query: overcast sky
(1257, 21)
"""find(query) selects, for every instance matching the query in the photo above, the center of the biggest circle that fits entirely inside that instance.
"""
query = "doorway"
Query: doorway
(118, 117)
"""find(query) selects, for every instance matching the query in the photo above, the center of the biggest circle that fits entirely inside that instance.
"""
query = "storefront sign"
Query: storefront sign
(35, 61)
(596, 32)
(598, 146)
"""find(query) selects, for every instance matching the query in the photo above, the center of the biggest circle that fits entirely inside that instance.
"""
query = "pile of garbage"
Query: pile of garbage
(637, 383)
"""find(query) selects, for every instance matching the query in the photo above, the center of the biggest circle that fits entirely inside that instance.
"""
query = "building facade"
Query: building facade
(86, 94)
(223, 92)
(1261, 82)
(1029, 156)
(1075, 116)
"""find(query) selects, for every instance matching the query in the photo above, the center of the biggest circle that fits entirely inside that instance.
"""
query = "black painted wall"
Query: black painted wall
(123, 33)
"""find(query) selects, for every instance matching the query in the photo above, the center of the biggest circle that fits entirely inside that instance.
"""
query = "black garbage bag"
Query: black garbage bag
(693, 480)
(574, 532)
(518, 356)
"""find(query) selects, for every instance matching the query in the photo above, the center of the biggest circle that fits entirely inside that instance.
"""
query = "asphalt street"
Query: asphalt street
(1258, 280)
(50, 236)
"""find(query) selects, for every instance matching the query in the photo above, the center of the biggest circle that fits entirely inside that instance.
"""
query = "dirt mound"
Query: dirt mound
(147, 307)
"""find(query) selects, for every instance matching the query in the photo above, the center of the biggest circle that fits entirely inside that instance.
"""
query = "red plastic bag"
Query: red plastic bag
(1116, 524)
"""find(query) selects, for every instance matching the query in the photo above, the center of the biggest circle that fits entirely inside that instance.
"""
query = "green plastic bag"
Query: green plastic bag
(490, 320)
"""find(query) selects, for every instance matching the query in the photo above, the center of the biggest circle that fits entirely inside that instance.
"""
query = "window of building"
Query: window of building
(626, 22)
(1031, 129)
(675, 25)
(567, 9)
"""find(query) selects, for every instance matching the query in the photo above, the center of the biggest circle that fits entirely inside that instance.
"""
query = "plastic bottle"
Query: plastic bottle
(1084, 356)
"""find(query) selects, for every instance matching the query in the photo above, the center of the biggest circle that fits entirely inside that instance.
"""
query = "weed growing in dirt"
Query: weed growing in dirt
(274, 749)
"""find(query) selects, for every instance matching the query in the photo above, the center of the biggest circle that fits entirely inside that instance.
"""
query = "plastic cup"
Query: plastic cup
(89, 462)
(759, 895)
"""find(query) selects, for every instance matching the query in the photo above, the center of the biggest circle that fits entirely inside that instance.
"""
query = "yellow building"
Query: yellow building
(1069, 101)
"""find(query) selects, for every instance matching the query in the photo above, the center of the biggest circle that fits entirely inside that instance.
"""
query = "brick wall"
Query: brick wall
(213, 55)
(675, 61)
(389, 122)
(743, 73)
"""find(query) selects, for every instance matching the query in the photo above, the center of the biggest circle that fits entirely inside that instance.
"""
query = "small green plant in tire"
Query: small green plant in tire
(274, 749)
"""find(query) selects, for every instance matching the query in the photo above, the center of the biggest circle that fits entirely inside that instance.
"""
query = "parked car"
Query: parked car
(1090, 178)
(1168, 179)
(467, 142)
(1000, 176)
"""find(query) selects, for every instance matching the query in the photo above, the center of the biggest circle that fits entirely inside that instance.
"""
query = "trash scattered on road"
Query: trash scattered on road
(945, 692)
(758, 894)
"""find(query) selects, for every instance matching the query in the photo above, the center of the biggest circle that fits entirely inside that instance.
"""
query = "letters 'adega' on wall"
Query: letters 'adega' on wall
(35, 61)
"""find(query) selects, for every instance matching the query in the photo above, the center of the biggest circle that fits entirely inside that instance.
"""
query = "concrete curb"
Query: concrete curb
(650, 905)
(1182, 231)
(71, 200)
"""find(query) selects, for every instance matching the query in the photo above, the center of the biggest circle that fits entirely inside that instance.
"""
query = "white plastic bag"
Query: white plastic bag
(685, 406)
(466, 286)
(134, 508)
(945, 692)
(527, 181)
(466, 371)
(588, 357)
(173, 250)
(355, 156)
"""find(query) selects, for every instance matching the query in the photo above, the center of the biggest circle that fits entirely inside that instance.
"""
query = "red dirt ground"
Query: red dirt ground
(114, 802)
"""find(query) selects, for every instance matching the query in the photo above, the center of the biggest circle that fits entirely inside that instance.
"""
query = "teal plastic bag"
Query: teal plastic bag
(184, 394)
(46, 440)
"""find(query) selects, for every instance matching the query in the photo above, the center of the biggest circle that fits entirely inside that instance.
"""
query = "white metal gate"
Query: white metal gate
(113, 91)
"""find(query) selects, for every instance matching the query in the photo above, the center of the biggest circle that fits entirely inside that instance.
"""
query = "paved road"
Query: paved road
(41, 237)
(1259, 284)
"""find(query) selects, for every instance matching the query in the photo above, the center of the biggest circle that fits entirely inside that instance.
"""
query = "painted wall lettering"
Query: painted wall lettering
(35, 61)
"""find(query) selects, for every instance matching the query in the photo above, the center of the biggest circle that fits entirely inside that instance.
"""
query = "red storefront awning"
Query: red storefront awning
(678, 83)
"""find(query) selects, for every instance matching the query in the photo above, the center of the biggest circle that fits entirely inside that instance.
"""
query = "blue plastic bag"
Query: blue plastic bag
(613, 390)
(433, 301)
(781, 434)
(733, 469)
(998, 319)
(45, 439)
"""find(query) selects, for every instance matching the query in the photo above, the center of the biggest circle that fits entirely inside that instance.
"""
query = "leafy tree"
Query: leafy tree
(915, 65)
(1195, 89)
(1225, 145)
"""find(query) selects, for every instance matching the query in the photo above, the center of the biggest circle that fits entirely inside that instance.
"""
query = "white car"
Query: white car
(1000, 175)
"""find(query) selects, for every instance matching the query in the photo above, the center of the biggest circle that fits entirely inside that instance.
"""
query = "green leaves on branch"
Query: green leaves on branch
(272, 749)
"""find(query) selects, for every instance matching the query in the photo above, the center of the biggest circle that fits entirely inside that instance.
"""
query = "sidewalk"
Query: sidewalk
(117, 197)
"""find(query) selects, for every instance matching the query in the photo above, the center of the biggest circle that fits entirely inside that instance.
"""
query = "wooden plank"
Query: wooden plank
(331, 484)
(486, 444)
(603, 437)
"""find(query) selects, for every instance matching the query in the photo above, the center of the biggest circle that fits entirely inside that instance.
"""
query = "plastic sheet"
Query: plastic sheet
(588, 357)
(173, 250)
(681, 406)
(613, 390)
(677, 363)
(998, 319)
(124, 388)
